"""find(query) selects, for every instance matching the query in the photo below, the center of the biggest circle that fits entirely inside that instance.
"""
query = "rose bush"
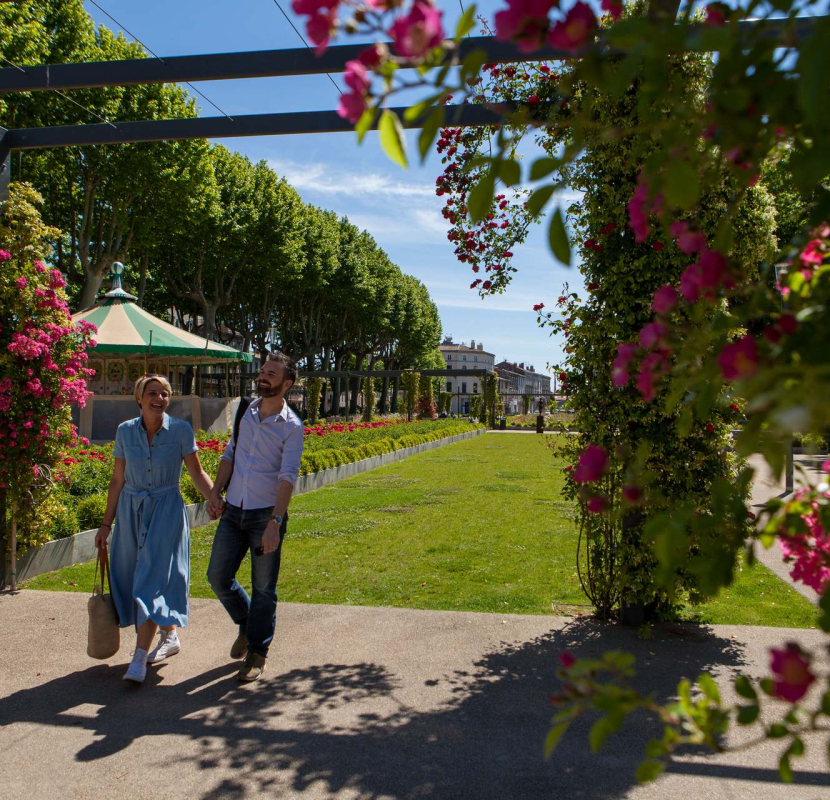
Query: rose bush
(42, 367)
(716, 337)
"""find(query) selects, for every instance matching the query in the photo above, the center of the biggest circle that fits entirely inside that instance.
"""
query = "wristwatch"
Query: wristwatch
(277, 519)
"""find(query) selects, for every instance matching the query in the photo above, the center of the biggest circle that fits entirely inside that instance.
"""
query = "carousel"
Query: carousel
(132, 342)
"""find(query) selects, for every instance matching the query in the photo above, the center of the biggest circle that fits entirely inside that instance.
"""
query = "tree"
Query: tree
(42, 364)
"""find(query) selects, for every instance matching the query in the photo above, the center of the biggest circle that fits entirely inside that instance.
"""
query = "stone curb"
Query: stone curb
(80, 548)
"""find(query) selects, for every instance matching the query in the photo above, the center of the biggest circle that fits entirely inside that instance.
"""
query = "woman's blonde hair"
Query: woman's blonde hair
(141, 385)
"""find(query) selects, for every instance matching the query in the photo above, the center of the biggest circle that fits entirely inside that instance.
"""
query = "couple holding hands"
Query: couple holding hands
(150, 551)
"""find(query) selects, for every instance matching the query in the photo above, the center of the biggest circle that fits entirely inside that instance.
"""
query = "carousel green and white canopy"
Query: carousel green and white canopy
(125, 330)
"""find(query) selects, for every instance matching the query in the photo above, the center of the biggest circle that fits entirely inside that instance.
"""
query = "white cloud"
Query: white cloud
(322, 179)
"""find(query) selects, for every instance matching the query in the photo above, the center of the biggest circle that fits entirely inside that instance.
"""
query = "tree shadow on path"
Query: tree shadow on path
(336, 727)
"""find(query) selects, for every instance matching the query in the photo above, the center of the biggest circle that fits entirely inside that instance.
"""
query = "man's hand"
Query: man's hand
(270, 538)
(216, 505)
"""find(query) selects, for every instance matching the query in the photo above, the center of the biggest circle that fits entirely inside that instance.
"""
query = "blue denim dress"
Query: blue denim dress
(150, 558)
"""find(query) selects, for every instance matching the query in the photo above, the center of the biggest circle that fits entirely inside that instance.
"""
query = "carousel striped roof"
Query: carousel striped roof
(124, 328)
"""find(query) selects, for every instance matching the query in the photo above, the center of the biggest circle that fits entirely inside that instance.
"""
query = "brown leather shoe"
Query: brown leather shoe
(239, 647)
(252, 667)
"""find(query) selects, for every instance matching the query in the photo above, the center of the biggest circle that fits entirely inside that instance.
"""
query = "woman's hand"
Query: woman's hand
(102, 535)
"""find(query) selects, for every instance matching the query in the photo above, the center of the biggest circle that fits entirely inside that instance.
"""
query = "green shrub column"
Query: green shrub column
(690, 449)
(426, 403)
(314, 388)
(368, 398)
(409, 384)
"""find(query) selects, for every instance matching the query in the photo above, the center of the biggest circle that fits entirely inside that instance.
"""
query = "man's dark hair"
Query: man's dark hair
(289, 366)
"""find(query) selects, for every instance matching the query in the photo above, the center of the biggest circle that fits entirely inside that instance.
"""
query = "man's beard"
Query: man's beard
(264, 390)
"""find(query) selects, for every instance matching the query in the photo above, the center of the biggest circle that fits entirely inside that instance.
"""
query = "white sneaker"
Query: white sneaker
(168, 646)
(137, 671)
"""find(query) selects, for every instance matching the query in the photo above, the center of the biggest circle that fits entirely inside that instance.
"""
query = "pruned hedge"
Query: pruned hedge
(318, 460)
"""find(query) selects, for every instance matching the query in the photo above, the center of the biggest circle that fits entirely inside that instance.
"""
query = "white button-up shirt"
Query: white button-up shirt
(268, 451)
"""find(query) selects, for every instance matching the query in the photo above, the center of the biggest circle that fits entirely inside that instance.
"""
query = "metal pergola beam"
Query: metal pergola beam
(396, 373)
(297, 122)
(274, 63)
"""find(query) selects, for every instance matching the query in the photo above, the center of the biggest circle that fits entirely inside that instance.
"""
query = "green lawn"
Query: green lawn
(475, 526)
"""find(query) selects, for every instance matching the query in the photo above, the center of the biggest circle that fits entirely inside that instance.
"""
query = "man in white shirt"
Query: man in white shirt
(260, 470)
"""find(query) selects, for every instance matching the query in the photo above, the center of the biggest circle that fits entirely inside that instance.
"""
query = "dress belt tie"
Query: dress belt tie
(143, 496)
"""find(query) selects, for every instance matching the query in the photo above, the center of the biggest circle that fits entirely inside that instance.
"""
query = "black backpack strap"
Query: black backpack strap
(244, 402)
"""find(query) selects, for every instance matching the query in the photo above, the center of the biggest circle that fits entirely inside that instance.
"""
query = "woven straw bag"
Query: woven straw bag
(104, 635)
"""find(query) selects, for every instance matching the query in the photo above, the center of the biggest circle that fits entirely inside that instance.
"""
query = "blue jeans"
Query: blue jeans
(239, 531)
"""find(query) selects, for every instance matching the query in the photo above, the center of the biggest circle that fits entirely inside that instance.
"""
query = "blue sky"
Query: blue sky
(398, 207)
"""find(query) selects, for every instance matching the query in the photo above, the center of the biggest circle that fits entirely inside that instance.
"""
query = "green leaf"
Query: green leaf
(747, 714)
(558, 238)
(417, 111)
(682, 186)
(536, 202)
(649, 770)
(602, 728)
(553, 737)
(510, 172)
(625, 73)
(466, 23)
(707, 684)
(814, 67)
(743, 686)
(364, 124)
(784, 769)
(655, 748)
(767, 687)
(542, 167)
(777, 731)
(824, 605)
(472, 65)
(430, 130)
(825, 703)
(392, 137)
(480, 199)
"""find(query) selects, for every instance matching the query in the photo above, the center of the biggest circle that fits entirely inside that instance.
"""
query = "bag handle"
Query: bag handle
(106, 579)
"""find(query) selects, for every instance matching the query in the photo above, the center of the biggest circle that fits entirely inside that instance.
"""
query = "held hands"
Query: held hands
(216, 505)
(270, 538)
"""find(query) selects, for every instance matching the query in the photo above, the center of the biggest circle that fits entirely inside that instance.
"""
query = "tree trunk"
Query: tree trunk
(383, 392)
(92, 284)
(394, 406)
(142, 282)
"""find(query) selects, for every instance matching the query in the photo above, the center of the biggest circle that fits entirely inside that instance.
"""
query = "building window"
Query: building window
(464, 387)
(463, 366)
(475, 387)
(475, 358)
(463, 358)
(449, 386)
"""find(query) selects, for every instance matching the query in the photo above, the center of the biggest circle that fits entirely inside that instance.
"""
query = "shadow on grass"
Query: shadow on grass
(343, 727)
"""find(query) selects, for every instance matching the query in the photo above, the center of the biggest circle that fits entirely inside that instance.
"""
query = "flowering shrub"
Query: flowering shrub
(42, 362)
(314, 388)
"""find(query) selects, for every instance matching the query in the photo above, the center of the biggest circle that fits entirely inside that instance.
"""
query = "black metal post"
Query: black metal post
(5, 165)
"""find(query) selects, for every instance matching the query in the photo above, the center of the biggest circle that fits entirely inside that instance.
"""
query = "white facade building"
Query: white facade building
(463, 357)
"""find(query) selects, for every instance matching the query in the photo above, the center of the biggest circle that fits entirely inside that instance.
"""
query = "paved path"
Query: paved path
(356, 703)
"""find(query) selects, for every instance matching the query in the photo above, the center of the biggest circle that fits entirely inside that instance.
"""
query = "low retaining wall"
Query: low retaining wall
(80, 548)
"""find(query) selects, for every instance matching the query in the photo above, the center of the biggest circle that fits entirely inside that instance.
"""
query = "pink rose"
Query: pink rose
(619, 368)
(652, 334)
(525, 22)
(613, 7)
(593, 463)
(575, 30)
(664, 300)
(739, 359)
(418, 32)
(791, 669)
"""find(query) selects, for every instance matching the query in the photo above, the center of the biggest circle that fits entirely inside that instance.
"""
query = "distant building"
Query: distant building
(516, 380)
(462, 356)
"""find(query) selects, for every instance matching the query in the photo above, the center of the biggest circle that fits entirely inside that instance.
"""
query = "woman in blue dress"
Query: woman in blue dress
(150, 554)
